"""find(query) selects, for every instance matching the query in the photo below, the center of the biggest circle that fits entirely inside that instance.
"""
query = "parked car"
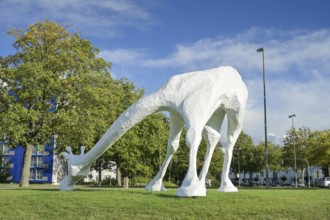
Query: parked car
(250, 183)
(324, 182)
(293, 184)
(276, 184)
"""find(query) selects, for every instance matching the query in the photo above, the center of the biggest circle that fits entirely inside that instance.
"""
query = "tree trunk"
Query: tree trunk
(118, 176)
(100, 175)
(26, 166)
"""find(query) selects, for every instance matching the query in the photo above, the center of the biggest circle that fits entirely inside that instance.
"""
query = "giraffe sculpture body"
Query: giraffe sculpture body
(197, 101)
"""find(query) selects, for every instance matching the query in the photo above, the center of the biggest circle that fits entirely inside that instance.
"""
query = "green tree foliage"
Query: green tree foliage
(252, 158)
(57, 85)
(313, 146)
(137, 152)
(296, 140)
(274, 156)
(4, 168)
(142, 149)
(244, 154)
(179, 164)
(318, 149)
(54, 84)
(215, 165)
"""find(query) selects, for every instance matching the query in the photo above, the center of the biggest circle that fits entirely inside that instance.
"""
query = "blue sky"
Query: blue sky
(150, 40)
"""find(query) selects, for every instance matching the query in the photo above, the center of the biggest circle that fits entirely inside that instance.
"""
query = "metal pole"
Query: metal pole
(309, 182)
(294, 148)
(265, 115)
(239, 170)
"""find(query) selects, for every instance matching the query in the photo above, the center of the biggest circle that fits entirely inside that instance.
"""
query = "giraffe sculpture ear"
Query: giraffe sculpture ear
(67, 155)
(82, 150)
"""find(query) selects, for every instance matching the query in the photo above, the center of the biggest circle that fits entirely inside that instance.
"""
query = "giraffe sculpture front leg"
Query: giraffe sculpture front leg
(176, 126)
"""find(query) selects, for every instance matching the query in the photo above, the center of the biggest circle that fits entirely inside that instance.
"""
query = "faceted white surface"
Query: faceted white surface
(197, 100)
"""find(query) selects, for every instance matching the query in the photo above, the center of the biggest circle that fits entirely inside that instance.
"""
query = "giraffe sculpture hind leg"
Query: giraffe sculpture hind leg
(212, 136)
(234, 129)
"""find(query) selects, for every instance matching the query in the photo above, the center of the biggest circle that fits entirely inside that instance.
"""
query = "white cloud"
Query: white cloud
(309, 100)
(305, 52)
(297, 73)
(99, 17)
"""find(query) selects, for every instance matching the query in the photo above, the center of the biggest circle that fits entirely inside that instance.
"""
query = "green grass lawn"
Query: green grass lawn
(47, 202)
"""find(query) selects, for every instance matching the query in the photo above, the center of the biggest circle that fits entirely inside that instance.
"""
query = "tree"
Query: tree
(215, 165)
(318, 149)
(50, 86)
(140, 142)
(244, 149)
(296, 140)
(274, 156)
(259, 157)
(4, 168)
(141, 150)
(102, 163)
(179, 164)
(252, 157)
(180, 160)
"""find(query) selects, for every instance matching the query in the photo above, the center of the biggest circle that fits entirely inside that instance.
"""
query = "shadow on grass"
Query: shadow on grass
(170, 193)
(30, 189)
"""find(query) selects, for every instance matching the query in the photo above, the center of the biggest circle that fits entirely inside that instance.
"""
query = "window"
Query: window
(40, 161)
(34, 151)
(5, 161)
(36, 174)
(37, 150)
(37, 161)
(39, 175)
(40, 151)
(32, 174)
(5, 149)
(33, 161)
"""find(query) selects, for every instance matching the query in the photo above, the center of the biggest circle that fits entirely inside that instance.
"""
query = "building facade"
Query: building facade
(307, 176)
(45, 167)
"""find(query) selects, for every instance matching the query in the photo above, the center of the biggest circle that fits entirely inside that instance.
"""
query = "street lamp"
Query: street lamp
(261, 50)
(294, 148)
(239, 168)
(308, 174)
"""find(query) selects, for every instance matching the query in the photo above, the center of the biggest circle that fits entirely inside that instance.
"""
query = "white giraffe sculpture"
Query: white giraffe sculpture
(197, 100)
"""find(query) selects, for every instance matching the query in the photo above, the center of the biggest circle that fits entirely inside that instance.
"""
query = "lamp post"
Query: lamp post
(239, 168)
(261, 50)
(294, 148)
(308, 173)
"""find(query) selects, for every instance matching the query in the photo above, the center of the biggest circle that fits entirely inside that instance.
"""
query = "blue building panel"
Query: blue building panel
(17, 163)
(41, 170)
